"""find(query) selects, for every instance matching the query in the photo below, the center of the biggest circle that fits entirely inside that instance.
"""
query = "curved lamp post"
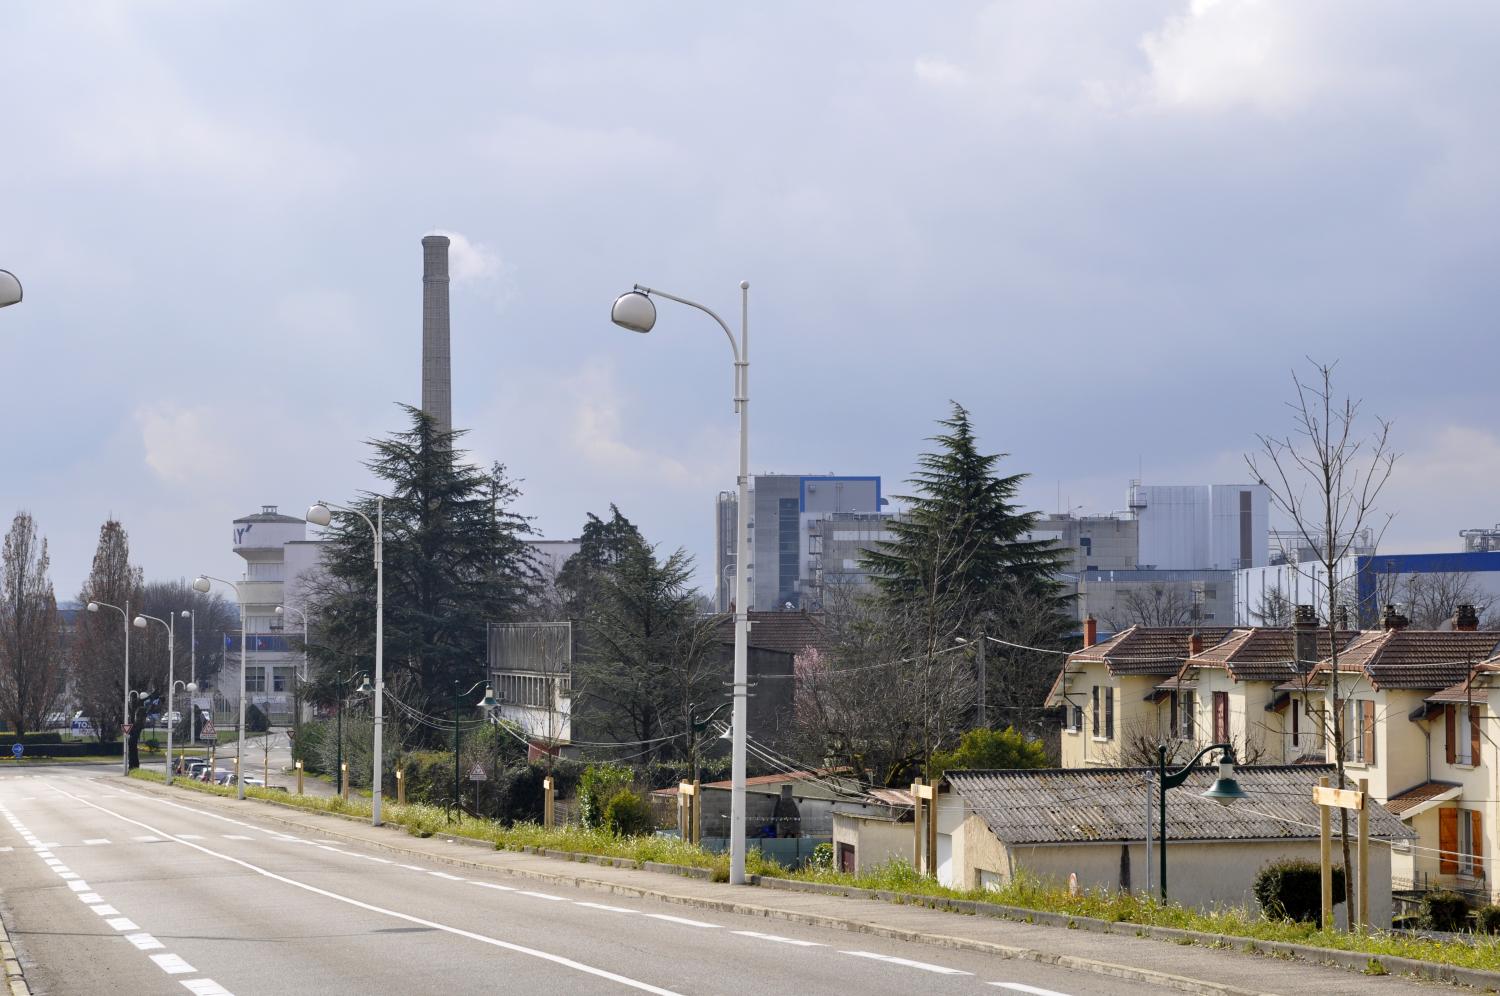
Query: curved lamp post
(10, 289)
(488, 702)
(1225, 789)
(170, 625)
(321, 514)
(636, 312)
(202, 584)
(125, 718)
(341, 679)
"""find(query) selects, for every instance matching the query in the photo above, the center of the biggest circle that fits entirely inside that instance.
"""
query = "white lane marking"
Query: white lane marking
(51, 844)
(172, 964)
(682, 920)
(7, 848)
(394, 914)
(205, 987)
(451, 878)
(325, 847)
(1022, 987)
(893, 960)
(67, 876)
(541, 895)
(597, 906)
(42, 852)
(368, 857)
(411, 868)
(90, 898)
(96, 841)
(147, 839)
(144, 942)
(190, 836)
(79, 886)
(779, 939)
(52, 862)
(122, 923)
(492, 885)
(237, 836)
(104, 909)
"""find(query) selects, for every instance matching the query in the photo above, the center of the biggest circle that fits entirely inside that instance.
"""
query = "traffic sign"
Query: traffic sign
(476, 773)
(17, 750)
(127, 729)
(207, 731)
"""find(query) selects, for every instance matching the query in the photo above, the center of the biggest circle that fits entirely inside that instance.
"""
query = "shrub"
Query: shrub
(1444, 910)
(255, 719)
(627, 814)
(598, 786)
(1488, 918)
(822, 858)
(984, 749)
(1292, 889)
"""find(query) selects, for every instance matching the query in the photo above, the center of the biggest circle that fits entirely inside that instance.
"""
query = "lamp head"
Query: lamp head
(489, 701)
(140, 622)
(191, 686)
(187, 614)
(93, 606)
(318, 514)
(280, 611)
(364, 686)
(201, 584)
(10, 289)
(1226, 788)
(634, 311)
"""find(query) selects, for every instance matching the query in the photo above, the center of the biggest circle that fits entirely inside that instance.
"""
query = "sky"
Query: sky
(1111, 230)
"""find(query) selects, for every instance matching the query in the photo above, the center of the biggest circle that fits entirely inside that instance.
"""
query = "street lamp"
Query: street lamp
(340, 679)
(191, 616)
(202, 584)
(125, 716)
(488, 702)
(1225, 789)
(10, 289)
(170, 625)
(321, 514)
(282, 610)
(190, 687)
(636, 312)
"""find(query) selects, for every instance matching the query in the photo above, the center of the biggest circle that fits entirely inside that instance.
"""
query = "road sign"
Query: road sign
(17, 750)
(476, 774)
(207, 731)
(126, 728)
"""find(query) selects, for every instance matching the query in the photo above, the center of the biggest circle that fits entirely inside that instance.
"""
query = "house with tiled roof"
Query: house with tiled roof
(776, 639)
(1108, 690)
(1091, 822)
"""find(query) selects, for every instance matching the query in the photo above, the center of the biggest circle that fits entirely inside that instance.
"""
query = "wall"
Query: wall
(876, 839)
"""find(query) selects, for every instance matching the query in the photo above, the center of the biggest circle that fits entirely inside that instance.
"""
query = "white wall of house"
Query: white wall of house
(876, 840)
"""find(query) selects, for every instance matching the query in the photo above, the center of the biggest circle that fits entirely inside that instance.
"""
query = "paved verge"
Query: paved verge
(1182, 967)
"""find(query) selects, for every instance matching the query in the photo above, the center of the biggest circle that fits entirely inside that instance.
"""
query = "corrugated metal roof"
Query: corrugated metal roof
(1078, 805)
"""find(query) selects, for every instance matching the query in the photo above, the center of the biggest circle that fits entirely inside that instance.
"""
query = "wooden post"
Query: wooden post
(549, 802)
(236, 769)
(299, 777)
(697, 811)
(1325, 858)
(1364, 854)
(916, 826)
(344, 780)
(400, 786)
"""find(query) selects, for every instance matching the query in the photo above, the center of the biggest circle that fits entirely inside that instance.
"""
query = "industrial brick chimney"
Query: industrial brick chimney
(437, 365)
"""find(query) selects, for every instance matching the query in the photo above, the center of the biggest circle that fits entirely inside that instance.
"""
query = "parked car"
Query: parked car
(195, 768)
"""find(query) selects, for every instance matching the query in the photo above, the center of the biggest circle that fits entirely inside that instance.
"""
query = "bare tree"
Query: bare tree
(1325, 476)
(1274, 609)
(98, 645)
(31, 671)
(1160, 603)
(1433, 599)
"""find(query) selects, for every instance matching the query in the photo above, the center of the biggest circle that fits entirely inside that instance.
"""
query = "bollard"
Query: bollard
(299, 777)
(400, 787)
(344, 780)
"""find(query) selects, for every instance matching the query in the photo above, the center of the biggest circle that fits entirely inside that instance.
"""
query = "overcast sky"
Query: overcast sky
(1110, 229)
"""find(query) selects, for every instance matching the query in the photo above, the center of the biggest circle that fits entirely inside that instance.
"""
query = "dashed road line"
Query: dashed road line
(122, 923)
(104, 909)
(96, 841)
(237, 836)
(451, 878)
(144, 942)
(596, 906)
(1022, 987)
(779, 939)
(682, 920)
(205, 987)
(541, 895)
(172, 964)
(909, 963)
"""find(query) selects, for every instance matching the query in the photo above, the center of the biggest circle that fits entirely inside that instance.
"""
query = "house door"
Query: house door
(945, 859)
(846, 858)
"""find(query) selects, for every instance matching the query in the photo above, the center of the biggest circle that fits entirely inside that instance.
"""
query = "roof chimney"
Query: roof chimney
(1305, 638)
(1393, 619)
(1466, 619)
(1195, 644)
(437, 367)
(1090, 631)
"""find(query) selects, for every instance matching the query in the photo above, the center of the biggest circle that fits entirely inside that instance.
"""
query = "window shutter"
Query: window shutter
(1295, 710)
(1450, 723)
(1448, 841)
(1474, 734)
(1109, 713)
(1477, 826)
(1367, 730)
(1095, 712)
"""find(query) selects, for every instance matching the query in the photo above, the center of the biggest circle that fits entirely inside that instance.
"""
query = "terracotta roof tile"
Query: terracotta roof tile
(1263, 653)
(1147, 650)
(1403, 802)
(784, 632)
(1417, 658)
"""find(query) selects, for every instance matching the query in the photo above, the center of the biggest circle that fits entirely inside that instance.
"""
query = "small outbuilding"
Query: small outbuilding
(1092, 823)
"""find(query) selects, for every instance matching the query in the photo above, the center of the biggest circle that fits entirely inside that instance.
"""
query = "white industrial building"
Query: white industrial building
(1222, 527)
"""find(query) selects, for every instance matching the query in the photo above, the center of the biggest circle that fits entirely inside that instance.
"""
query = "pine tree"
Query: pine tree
(455, 560)
(601, 544)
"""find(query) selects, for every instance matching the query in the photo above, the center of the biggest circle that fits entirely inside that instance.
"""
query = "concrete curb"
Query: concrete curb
(1328, 956)
(15, 981)
(1354, 960)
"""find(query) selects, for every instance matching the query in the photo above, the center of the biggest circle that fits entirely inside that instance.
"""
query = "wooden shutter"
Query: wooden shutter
(1367, 731)
(1095, 712)
(1296, 709)
(1474, 735)
(1109, 713)
(1448, 841)
(1221, 717)
(1476, 828)
(1450, 723)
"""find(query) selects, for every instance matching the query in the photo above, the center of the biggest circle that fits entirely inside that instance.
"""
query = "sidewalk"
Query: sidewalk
(1181, 967)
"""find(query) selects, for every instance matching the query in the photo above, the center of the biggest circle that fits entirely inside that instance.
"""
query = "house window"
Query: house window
(1074, 714)
(1359, 730)
(1109, 713)
(1180, 724)
(1189, 709)
(1094, 711)
(1296, 710)
(255, 679)
(1221, 717)
(1461, 842)
(1463, 725)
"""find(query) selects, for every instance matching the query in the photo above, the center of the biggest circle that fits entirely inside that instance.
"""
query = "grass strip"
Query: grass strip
(422, 820)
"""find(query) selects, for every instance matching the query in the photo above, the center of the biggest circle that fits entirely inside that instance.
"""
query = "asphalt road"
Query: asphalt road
(108, 889)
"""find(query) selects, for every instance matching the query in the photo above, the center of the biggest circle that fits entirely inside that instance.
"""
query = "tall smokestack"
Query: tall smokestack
(437, 366)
